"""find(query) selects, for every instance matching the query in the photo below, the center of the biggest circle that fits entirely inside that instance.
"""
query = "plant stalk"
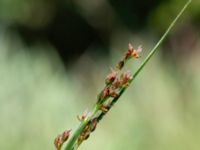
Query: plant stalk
(72, 141)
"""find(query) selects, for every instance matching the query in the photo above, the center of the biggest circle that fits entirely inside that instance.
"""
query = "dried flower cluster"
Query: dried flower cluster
(114, 83)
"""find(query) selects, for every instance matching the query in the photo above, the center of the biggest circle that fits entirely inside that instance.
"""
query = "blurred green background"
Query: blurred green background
(55, 54)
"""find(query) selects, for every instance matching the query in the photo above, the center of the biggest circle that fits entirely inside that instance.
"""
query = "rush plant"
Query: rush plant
(116, 83)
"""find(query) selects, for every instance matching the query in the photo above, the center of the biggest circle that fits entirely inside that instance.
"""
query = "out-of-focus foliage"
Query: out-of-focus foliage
(165, 11)
(41, 93)
(34, 13)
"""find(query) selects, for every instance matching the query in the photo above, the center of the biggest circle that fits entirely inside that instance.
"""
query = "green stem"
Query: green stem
(73, 139)
(153, 50)
(161, 40)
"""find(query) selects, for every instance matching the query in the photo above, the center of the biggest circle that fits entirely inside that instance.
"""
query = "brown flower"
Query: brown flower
(105, 93)
(104, 108)
(133, 52)
(111, 76)
(93, 124)
(83, 116)
(129, 52)
(125, 78)
(65, 135)
(136, 52)
(116, 84)
(58, 142)
(61, 138)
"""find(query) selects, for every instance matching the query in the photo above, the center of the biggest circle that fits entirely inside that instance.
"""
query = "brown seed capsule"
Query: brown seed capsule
(93, 125)
(104, 109)
(120, 65)
(86, 129)
(114, 94)
(80, 139)
(65, 135)
(105, 93)
(116, 84)
(86, 136)
(125, 78)
(58, 142)
(129, 52)
(111, 77)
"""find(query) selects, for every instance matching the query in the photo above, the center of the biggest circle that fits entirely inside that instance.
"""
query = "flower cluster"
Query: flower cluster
(114, 88)
(114, 84)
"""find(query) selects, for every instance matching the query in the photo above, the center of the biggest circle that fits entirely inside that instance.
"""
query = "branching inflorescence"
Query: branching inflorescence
(116, 82)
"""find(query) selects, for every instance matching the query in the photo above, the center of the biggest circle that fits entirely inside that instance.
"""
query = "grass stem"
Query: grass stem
(72, 141)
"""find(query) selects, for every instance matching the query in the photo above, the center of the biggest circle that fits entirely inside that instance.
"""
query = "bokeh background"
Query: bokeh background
(55, 54)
